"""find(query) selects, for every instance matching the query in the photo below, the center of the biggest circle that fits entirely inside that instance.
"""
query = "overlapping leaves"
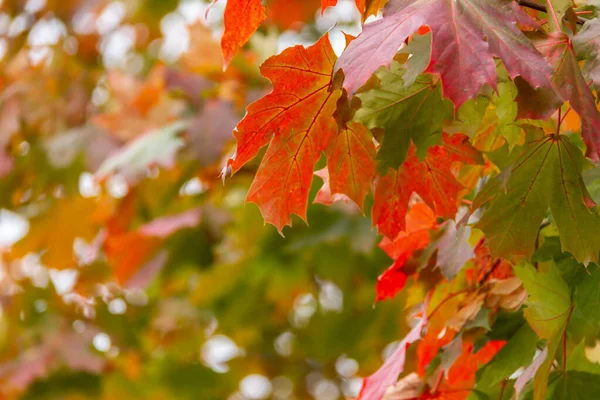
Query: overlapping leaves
(545, 174)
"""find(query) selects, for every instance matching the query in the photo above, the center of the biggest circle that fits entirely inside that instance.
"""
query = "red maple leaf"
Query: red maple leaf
(461, 376)
(467, 35)
(297, 119)
(431, 178)
(419, 221)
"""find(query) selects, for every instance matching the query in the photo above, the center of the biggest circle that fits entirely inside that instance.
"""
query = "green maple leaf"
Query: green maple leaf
(405, 112)
(585, 320)
(517, 352)
(546, 174)
(548, 310)
(571, 385)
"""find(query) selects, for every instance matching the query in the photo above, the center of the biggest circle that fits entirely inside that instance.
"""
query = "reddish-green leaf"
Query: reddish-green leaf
(467, 35)
(568, 83)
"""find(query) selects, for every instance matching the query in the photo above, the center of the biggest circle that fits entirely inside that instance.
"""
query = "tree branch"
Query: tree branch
(532, 4)
(540, 7)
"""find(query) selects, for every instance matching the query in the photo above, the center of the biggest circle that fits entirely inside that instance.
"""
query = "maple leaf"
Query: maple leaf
(467, 35)
(351, 163)
(242, 18)
(419, 221)
(518, 352)
(568, 84)
(408, 113)
(545, 174)
(461, 375)
(297, 119)
(548, 311)
(587, 46)
(375, 386)
(432, 179)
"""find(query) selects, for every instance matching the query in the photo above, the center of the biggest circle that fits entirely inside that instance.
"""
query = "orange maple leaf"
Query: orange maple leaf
(242, 18)
(431, 178)
(297, 119)
(350, 164)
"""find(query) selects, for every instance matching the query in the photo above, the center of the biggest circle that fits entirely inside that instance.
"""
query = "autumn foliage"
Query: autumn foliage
(455, 145)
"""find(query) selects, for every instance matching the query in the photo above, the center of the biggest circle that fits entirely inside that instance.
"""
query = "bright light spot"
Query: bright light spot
(193, 187)
(117, 306)
(34, 6)
(117, 186)
(331, 297)
(102, 342)
(176, 36)
(18, 25)
(283, 344)
(346, 367)
(13, 228)
(117, 45)
(217, 350)
(88, 186)
(305, 306)
(111, 17)
(192, 11)
(63, 280)
(255, 387)
(46, 32)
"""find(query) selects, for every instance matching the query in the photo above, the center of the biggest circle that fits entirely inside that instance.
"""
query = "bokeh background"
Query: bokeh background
(128, 269)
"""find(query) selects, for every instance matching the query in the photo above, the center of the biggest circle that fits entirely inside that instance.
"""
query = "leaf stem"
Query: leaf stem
(559, 121)
(550, 11)
(564, 339)
(502, 390)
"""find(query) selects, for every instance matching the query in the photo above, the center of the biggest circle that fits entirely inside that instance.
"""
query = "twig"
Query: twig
(532, 4)
(540, 7)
